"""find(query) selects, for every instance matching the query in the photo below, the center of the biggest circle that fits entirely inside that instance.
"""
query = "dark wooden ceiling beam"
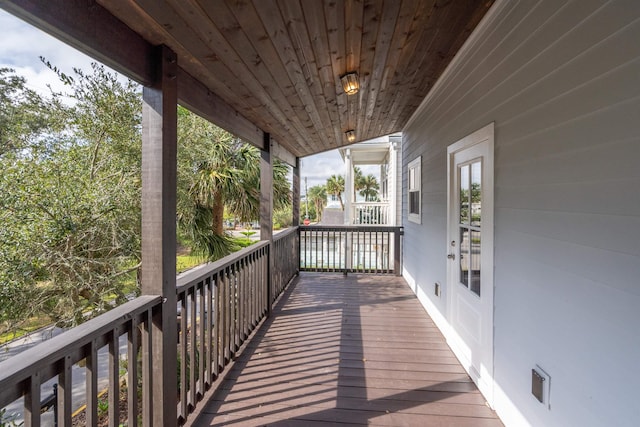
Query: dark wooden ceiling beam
(198, 98)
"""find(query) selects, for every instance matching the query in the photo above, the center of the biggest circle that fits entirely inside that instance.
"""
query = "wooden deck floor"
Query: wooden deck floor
(347, 351)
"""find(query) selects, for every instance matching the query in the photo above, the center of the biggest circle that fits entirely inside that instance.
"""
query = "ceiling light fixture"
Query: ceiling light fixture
(350, 83)
(351, 135)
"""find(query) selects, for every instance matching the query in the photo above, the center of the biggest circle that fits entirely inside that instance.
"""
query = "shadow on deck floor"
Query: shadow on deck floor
(356, 350)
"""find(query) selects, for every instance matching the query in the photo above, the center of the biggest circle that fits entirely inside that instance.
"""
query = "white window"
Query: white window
(415, 196)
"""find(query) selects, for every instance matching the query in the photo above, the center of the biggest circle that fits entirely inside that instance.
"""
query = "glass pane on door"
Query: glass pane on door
(476, 193)
(474, 263)
(464, 194)
(464, 256)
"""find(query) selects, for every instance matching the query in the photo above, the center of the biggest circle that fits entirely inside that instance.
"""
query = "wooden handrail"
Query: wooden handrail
(23, 375)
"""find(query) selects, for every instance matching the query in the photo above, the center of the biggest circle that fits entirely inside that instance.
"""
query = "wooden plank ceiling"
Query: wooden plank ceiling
(278, 62)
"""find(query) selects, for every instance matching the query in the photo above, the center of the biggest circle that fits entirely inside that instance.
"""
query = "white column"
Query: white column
(348, 187)
(393, 182)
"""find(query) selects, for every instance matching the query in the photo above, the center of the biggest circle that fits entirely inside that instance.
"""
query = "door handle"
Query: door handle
(451, 256)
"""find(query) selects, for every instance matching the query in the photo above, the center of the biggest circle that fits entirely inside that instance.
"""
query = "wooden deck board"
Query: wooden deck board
(347, 351)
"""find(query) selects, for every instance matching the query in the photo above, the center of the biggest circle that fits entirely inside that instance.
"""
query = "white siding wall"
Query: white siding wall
(561, 81)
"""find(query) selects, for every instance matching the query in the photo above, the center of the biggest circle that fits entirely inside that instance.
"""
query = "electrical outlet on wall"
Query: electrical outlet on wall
(436, 289)
(541, 386)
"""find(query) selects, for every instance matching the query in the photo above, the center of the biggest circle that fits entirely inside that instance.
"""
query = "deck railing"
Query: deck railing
(370, 213)
(24, 375)
(351, 249)
(286, 256)
(219, 305)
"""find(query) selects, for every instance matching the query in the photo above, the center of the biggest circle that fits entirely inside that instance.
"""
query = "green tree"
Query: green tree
(218, 171)
(24, 115)
(318, 198)
(357, 180)
(335, 187)
(369, 188)
(71, 203)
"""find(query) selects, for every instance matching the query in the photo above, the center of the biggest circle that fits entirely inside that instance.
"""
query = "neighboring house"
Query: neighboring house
(383, 151)
(541, 110)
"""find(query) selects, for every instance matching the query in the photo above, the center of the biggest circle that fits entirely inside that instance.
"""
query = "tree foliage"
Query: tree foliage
(317, 196)
(368, 187)
(71, 193)
(335, 187)
(71, 198)
(216, 172)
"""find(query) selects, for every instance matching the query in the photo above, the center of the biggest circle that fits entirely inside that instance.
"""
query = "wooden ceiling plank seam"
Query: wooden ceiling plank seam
(450, 46)
(401, 56)
(316, 22)
(462, 16)
(251, 28)
(353, 16)
(244, 52)
(372, 11)
(299, 35)
(336, 34)
(419, 35)
(203, 19)
(390, 85)
(423, 67)
(226, 69)
(389, 17)
(284, 46)
(252, 112)
(136, 18)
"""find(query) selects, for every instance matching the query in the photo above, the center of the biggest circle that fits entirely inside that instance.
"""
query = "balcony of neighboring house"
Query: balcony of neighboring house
(382, 205)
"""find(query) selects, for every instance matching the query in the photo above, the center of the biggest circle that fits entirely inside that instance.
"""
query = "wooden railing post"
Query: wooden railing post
(296, 211)
(159, 144)
(397, 266)
(266, 211)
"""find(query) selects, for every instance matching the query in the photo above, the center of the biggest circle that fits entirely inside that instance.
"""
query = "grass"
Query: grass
(29, 325)
(185, 262)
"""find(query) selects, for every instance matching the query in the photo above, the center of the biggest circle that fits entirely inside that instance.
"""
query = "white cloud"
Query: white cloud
(22, 45)
(318, 168)
(321, 166)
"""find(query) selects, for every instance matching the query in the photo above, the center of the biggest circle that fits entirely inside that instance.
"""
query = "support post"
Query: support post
(393, 184)
(159, 168)
(397, 263)
(348, 187)
(266, 211)
(295, 194)
(295, 202)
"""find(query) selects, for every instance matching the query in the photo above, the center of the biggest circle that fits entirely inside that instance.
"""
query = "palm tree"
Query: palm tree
(357, 181)
(335, 187)
(369, 188)
(217, 172)
(318, 196)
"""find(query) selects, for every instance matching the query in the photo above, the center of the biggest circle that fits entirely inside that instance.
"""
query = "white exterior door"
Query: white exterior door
(470, 255)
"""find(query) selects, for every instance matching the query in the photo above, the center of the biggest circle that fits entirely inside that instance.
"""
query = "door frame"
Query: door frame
(483, 379)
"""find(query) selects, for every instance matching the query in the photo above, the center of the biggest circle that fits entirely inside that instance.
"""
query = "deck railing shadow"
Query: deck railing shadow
(325, 382)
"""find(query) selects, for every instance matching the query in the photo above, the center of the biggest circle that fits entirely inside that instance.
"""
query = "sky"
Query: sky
(21, 46)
